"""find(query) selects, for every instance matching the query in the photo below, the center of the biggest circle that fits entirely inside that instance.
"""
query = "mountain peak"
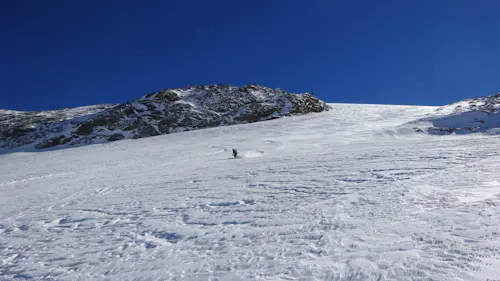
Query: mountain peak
(489, 103)
(161, 112)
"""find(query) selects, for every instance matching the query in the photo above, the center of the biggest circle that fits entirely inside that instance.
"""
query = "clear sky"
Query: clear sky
(64, 53)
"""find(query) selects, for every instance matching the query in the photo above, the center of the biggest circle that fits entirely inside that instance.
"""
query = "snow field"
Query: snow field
(340, 195)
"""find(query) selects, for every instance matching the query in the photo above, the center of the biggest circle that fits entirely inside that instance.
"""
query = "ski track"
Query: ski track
(320, 197)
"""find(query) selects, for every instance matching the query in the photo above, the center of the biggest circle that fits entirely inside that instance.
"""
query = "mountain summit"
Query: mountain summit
(162, 112)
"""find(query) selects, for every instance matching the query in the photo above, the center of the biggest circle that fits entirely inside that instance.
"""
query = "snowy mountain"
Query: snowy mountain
(16, 124)
(489, 104)
(476, 115)
(162, 112)
(336, 195)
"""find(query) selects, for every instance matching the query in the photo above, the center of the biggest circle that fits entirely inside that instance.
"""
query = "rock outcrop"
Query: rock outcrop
(476, 115)
(162, 112)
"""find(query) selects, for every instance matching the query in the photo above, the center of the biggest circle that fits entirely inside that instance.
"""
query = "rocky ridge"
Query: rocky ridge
(475, 115)
(162, 112)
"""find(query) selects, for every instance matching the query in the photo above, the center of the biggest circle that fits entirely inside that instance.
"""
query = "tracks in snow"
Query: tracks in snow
(318, 205)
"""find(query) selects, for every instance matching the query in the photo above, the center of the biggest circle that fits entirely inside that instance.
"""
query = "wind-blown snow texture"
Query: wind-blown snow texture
(338, 195)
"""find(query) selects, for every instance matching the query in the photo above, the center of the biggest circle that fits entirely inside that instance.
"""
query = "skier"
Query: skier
(235, 153)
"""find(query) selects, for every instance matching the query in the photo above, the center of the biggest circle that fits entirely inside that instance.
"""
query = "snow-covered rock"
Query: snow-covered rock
(167, 111)
(476, 115)
(487, 104)
(17, 125)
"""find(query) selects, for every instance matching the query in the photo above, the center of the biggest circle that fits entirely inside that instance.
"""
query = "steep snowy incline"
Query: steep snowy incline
(330, 196)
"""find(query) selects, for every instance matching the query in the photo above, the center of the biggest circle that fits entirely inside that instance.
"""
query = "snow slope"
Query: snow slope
(338, 195)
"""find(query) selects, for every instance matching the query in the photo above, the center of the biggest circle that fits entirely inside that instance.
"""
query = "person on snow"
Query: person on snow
(235, 153)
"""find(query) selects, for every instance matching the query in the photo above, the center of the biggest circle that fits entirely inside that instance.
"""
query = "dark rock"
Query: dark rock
(168, 111)
(54, 142)
(87, 127)
(116, 137)
(17, 125)
(168, 95)
(476, 115)
(17, 132)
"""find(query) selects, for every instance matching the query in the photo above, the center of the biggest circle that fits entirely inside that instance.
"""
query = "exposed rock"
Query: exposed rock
(164, 112)
(15, 124)
(116, 137)
(489, 104)
(477, 115)
(54, 142)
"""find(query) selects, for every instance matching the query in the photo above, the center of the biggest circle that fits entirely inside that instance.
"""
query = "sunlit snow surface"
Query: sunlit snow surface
(340, 195)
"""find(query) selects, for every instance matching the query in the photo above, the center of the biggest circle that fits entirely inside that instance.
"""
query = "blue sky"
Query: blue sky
(63, 53)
